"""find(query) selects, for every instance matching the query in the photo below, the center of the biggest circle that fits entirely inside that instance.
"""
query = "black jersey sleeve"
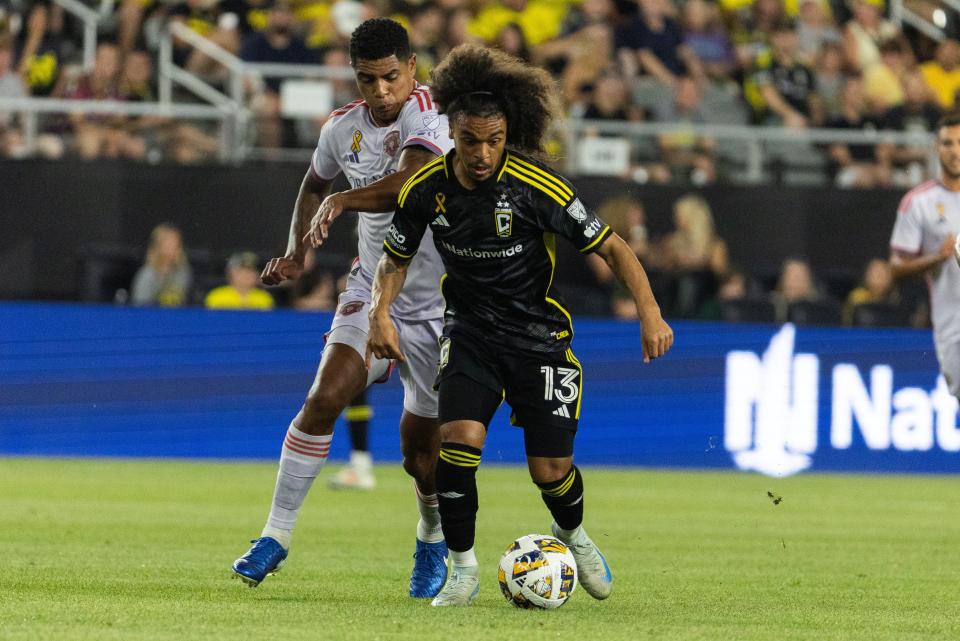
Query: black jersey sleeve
(574, 221)
(409, 224)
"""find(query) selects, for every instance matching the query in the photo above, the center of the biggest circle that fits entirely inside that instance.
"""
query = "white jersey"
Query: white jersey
(927, 215)
(352, 143)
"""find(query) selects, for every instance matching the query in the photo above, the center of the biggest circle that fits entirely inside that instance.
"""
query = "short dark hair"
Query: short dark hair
(948, 120)
(379, 38)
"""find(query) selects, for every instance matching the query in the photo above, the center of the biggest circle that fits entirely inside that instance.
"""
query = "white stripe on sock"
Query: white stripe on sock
(301, 460)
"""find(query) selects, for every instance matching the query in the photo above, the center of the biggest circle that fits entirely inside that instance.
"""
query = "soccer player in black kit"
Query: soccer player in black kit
(495, 211)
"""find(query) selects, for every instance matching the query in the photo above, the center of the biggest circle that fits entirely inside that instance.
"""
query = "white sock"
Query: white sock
(301, 460)
(576, 535)
(463, 559)
(360, 461)
(428, 528)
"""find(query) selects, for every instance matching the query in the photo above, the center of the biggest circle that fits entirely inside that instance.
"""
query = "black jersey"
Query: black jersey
(498, 246)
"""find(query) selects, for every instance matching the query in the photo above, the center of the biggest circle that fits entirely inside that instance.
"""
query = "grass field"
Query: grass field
(141, 550)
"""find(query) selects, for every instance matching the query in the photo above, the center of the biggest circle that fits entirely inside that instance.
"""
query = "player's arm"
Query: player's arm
(379, 196)
(290, 265)
(383, 341)
(905, 265)
(656, 335)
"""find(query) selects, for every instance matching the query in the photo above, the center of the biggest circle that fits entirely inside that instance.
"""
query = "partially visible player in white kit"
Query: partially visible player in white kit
(377, 143)
(924, 241)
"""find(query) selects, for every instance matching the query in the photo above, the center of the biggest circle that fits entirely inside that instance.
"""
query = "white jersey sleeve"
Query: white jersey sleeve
(907, 236)
(420, 124)
(324, 163)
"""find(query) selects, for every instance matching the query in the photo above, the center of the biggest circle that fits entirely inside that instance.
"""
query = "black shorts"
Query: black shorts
(542, 388)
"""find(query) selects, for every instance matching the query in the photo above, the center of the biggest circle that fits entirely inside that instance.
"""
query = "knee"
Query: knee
(420, 465)
(322, 407)
(549, 470)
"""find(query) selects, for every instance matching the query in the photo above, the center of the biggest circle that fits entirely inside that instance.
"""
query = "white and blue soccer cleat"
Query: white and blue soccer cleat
(263, 559)
(593, 572)
(461, 588)
(429, 569)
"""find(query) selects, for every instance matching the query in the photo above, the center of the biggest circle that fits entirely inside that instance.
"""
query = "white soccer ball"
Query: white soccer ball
(537, 571)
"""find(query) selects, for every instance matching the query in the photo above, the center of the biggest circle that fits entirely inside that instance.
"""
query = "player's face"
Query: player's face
(479, 141)
(385, 84)
(948, 148)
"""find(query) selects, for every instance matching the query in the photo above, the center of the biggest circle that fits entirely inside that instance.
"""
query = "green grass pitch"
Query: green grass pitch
(141, 550)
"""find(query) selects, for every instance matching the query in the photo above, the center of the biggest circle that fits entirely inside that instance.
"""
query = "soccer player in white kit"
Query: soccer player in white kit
(924, 240)
(377, 142)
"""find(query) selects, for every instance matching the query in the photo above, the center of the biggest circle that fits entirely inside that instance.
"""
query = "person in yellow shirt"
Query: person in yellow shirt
(943, 73)
(241, 291)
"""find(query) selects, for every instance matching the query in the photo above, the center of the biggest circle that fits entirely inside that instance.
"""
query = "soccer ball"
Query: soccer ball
(537, 571)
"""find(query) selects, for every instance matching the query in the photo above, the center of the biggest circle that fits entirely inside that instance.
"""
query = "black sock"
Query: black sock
(358, 416)
(457, 493)
(564, 499)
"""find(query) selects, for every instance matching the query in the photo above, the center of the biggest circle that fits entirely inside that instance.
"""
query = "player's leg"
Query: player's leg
(341, 375)
(550, 461)
(420, 446)
(544, 391)
(358, 473)
(465, 410)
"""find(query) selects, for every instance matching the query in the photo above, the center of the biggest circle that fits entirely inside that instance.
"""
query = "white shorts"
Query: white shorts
(948, 354)
(419, 341)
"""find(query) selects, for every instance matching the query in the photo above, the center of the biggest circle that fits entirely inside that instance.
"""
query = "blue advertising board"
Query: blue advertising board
(124, 382)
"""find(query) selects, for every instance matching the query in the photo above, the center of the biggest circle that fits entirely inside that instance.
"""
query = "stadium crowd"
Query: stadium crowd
(789, 63)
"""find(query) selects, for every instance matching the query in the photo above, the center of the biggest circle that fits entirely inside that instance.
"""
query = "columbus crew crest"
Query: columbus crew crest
(503, 215)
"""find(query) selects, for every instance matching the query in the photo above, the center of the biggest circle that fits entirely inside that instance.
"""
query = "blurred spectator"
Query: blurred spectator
(580, 56)
(165, 277)
(511, 40)
(627, 219)
(241, 290)
(277, 42)
(856, 165)
(752, 26)
(344, 91)
(864, 33)
(734, 286)
(918, 113)
(610, 101)
(815, 30)
(787, 85)
(11, 86)
(943, 73)
(829, 79)
(705, 36)
(214, 21)
(877, 287)
(652, 43)
(883, 82)
(687, 154)
(316, 289)
(100, 135)
(426, 31)
(796, 284)
(695, 256)
(36, 28)
(540, 20)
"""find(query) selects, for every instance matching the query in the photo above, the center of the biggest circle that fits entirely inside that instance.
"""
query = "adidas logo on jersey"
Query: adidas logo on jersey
(440, 221)
(562, 411)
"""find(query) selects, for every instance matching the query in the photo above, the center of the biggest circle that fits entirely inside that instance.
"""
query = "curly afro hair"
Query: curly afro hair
(475, 80)
(379, 38)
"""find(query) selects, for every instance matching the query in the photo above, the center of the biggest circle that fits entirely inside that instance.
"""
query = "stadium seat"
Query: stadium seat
(880, 315)
(747, 311)
(814, 313)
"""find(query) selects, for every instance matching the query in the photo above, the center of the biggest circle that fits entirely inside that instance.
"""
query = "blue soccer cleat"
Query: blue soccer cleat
(429, 569)
(264, 558)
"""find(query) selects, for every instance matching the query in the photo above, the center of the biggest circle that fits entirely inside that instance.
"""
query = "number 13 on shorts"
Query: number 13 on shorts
(562, 384)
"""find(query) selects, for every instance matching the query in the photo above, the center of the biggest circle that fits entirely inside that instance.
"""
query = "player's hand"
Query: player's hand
(656, 337)
(330, 209)
(281, 269)
(947, 249)
(383, 341)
